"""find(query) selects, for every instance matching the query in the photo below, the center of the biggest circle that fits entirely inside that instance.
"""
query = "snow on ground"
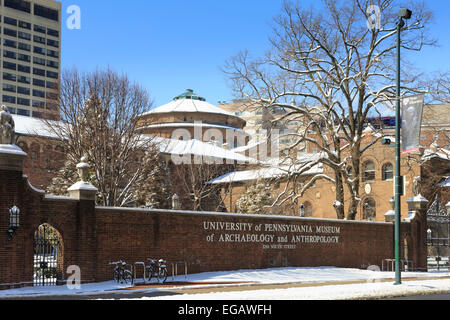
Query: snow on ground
(330, 292)
(370, 286)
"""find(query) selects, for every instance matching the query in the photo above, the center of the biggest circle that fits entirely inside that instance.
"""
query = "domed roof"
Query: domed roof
(189, 102)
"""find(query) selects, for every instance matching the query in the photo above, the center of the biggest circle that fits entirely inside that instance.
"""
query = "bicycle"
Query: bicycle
(157, 269)
(120, 273)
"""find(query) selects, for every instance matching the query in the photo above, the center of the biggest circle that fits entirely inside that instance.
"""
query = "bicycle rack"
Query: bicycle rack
(175, 269)
(136, 264)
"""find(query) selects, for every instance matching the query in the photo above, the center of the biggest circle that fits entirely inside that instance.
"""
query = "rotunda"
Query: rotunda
(189, 117)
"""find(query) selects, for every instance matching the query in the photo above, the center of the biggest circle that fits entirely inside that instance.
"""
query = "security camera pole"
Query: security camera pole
(403, 14)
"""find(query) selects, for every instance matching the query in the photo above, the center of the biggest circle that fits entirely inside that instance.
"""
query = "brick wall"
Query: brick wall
(93, 237)
(45, 157)
(202, 239)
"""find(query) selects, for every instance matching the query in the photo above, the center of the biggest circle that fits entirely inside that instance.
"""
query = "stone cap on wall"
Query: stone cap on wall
(11, 157)
(237, 215)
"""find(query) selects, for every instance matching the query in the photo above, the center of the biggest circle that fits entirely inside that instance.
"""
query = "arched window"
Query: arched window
(350, 171)
(387, 171)
(369, 209)
(368, 171)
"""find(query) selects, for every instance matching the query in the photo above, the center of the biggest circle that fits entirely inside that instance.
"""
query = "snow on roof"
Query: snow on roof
(198, 148)
(442, 153)
(37, 127)
(188, 105)
(263, 173)
(29, 126)
(195, 124)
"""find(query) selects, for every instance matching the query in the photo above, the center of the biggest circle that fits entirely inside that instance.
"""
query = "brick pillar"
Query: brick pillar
(12, 240)
(85, 192)
(417, 216)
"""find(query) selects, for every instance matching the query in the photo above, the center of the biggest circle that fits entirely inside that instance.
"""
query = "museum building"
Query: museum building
(190, 116)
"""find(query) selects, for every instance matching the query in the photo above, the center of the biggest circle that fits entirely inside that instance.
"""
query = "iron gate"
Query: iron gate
(47, 248)
(438, 237)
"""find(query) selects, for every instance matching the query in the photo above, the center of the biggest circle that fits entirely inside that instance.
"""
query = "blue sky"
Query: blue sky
(169, 46)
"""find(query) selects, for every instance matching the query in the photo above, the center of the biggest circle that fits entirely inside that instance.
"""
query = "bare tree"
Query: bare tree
(192, 184)
(99, 112)
(329, 70)
(439, 88)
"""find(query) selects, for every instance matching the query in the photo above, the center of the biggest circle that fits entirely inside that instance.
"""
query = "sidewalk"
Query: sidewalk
(322, 283)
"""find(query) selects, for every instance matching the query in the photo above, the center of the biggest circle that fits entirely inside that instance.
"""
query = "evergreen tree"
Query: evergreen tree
(256, 200)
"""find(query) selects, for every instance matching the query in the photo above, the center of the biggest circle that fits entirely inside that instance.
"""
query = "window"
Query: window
(369, 210)
(38, 104)
(24, 35)
(9, 99)
(24, 102)
(387, 171)
(51, 32)
(52, 74)
(25, 25)
(21, 5)
(10, 43)
(10, 21)
(306, 209)
(368, 171)
(39, 72)
(9, 87)
(9, 76)
(39, 61)
(24, 46)
(40, 83)
(53, 53)
(39, 29)
(22, 112)
(45, 12)
(52, 96)
(52, 64)
(9, 65)
(39, 39)
(53, 43)
(22, 68)
(24, 79)
(10, 32)
(40, 115)
(38, 93)
(39, 50)
(24, 57)
(23, 90)
(52, 85)
(9, 54)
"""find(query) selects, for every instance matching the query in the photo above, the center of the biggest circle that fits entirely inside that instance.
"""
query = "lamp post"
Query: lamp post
(403, 14)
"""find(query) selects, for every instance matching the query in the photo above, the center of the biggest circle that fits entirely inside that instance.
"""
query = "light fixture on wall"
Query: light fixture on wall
(14, 221)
